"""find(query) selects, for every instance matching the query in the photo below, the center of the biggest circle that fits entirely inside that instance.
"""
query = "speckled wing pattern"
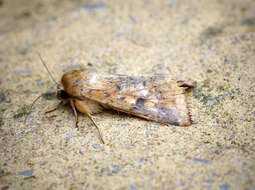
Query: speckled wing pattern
(154, 98)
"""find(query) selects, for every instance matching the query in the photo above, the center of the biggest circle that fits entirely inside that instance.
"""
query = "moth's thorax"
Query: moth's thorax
(75, 82)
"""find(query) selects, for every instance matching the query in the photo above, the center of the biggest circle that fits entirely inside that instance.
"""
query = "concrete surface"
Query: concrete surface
(210, 41)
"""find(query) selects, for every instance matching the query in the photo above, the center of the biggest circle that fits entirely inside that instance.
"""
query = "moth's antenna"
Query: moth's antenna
(31, 108)
(44, 64)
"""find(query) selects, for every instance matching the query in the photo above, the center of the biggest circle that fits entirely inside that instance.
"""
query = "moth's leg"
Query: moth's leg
(75, 113)
(91, 118)
(83, 107)
(31, 107)
(52, 110)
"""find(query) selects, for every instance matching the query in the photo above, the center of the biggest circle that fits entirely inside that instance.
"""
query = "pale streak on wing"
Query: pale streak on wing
(152, 98)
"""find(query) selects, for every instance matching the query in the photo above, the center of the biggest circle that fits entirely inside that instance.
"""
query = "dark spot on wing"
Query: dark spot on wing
(122, 98)
(140, 103)
(167, 116)
(107, 94)
(118, 87)
(76, 82)
(144, 83)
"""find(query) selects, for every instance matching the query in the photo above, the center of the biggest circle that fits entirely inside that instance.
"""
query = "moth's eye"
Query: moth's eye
(64, 95)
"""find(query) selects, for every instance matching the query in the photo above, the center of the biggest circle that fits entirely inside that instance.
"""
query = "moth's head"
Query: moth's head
(62, 94)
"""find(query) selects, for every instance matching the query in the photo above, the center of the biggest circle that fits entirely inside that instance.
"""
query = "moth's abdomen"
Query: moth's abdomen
(88, 106)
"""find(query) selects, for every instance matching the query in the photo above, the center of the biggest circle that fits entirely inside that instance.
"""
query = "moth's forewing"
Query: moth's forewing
(154, 98)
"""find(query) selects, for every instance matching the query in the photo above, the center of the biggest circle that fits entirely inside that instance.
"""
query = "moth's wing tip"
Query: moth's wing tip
(182, 124)
(178, 123)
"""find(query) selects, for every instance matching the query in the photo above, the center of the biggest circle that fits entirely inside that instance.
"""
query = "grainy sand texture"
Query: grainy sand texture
(209, 41)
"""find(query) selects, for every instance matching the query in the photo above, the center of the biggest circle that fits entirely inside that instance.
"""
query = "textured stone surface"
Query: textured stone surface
(211, 42)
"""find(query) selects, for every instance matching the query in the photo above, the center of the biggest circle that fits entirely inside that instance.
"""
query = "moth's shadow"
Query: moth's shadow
(115, 113)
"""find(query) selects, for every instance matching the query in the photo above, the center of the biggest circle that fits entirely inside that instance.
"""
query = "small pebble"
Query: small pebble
(69, 136)
(116, 170)
(96, 146)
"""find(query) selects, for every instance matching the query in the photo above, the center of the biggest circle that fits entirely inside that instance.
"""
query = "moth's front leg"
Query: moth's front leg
(88, 107)
(75, 112)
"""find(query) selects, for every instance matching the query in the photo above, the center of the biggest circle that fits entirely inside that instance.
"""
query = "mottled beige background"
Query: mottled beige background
(210, 41)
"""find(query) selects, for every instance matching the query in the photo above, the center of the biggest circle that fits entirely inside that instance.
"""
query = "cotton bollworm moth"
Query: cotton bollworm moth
(156, 98)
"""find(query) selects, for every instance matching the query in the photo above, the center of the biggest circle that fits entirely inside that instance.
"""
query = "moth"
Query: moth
(156, 98)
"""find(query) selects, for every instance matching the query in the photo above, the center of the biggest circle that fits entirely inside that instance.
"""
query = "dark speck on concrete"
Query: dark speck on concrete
(23, 51)
(96, 146)
(210, 32)
(69, 136)
(94, 6)
(3, 172)
(132, 19)
(116, 170)
(224, 187)
(232, 136)
(22, 72)
(2, 97)
(26, 173)
(204, 161)
(249, 21)
(141, 160)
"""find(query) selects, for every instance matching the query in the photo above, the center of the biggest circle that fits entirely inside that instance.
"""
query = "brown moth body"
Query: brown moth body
(155, 98)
